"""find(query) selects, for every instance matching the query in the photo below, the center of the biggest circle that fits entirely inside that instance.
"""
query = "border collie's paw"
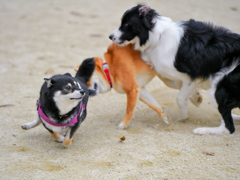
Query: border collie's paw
(182, 119)
(196, 99)
(211, 130)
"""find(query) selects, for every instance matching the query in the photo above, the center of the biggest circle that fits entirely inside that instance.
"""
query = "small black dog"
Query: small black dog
(63, 102)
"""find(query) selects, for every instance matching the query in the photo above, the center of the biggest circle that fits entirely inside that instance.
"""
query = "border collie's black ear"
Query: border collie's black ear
(86, 69)
(49, 82)
(147, 15)
(143, 10)
(68, 74)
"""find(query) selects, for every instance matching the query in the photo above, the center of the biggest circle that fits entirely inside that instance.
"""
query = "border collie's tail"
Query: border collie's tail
(86, 69)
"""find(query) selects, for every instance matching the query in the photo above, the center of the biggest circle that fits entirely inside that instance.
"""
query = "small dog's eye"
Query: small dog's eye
(68, 87)
(126, 25)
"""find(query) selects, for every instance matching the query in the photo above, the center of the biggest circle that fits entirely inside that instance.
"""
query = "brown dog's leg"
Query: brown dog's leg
(132, 97)
(148, 99)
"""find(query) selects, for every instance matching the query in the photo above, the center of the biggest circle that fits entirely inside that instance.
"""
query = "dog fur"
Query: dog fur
(60, 97)
(194, 54)
(129, 74)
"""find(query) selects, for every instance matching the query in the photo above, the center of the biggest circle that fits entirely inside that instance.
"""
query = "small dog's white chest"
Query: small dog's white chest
(61, 130)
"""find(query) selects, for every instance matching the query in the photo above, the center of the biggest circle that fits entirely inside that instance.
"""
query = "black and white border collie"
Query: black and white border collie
(190, 54)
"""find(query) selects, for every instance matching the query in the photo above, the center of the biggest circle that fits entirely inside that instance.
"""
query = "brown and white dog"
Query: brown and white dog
(127, 73)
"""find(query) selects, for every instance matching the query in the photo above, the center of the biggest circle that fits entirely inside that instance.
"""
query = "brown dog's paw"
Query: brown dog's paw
(122, 126)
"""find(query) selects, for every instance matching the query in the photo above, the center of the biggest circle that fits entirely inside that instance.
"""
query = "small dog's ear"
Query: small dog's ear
(68, 74)
(143, 10)
(49, 82)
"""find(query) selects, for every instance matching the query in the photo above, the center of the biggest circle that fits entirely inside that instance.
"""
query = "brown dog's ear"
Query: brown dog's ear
(143, 10)
(49, 82)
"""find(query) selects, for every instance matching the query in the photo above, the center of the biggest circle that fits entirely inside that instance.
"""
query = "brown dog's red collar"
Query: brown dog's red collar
(106, 70)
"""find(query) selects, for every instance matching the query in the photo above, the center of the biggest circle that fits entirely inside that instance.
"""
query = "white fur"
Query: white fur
(116, 35)
(236, 117)
(32, 124)
(212, 130)
(64, 103)
(103, 86)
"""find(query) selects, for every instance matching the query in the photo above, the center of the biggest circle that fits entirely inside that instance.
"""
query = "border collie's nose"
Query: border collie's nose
(111, 36)
(82, 92)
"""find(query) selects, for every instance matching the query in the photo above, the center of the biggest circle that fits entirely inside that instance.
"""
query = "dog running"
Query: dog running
(62, 105)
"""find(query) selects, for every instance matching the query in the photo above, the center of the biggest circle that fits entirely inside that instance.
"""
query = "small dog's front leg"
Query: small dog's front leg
(57, 137)
(69, 136)
(30, 125)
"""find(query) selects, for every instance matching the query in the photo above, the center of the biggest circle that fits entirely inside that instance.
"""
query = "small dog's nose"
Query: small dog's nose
(82, 92)
(111, 36)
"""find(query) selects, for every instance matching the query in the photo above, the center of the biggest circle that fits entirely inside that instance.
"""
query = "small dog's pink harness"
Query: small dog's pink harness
(46, 119)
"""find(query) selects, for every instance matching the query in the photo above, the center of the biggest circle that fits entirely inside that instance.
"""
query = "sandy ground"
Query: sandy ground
(42, 38)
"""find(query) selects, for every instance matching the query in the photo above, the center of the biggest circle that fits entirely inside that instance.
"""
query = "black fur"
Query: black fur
(205, 49)
(136, 23)
(227, 96)
(85, 71)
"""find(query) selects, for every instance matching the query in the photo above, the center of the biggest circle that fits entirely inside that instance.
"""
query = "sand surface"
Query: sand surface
(41, 38)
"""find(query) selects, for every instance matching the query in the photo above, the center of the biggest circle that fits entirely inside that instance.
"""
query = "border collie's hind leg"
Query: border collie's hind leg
(195, 97)
(32, 124)
(148, 99)
(212, 130)
(225, 106)
(236, 117)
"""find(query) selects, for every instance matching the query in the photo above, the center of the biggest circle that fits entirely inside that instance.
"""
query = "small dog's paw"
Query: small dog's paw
(67, 142)
(61, 138)
(26, 126)
(121, 126)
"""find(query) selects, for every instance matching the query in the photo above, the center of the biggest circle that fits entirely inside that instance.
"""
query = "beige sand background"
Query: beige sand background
(41, 38)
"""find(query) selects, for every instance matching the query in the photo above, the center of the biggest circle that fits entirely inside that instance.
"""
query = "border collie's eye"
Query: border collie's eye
(126, 25)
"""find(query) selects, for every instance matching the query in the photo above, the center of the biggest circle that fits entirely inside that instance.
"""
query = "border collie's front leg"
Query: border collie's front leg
(148, 99)
(32, 124)
(182, 99)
